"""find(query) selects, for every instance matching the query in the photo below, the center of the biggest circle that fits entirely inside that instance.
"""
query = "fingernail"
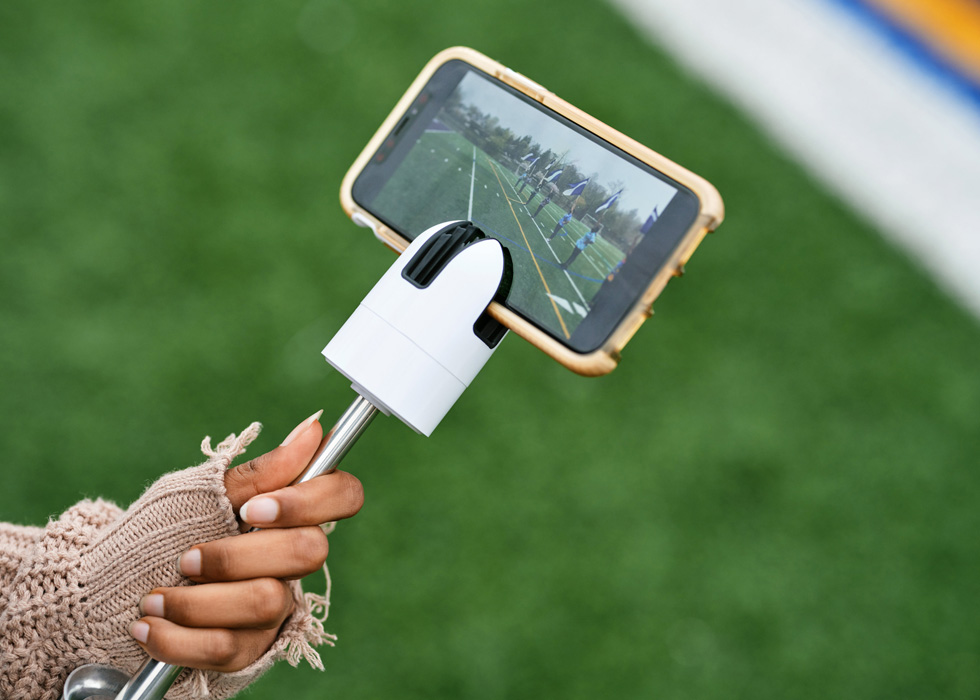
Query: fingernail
(259, 510)
(190, 563)
(152, 605)
(298, 430)
(140, 631)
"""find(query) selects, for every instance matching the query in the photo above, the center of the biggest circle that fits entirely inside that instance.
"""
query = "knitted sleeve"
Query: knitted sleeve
(15, 543)
(71, 589)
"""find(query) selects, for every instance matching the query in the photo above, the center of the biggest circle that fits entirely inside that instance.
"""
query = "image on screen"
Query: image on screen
(569, 210)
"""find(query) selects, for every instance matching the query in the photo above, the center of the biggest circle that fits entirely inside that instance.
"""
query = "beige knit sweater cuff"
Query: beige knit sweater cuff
(71, 590)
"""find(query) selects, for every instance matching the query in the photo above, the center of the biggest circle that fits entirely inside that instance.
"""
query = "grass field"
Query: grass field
(774, 496)
(445, 177)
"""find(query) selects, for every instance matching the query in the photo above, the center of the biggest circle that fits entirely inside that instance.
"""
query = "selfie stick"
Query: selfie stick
(410, 349)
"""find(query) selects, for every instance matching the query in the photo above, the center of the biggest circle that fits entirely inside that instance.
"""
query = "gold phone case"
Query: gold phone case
(710, 215)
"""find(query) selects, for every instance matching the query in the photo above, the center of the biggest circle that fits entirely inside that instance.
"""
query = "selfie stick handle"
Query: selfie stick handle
(411, 348)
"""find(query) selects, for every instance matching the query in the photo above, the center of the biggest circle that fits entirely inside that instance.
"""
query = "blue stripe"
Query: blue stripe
(915, 49)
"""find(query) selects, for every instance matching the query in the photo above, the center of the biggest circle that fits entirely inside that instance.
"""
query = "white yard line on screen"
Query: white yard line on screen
(517, 221)
(469, 211)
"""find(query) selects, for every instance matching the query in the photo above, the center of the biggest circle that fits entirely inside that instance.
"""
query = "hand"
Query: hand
(234, 615)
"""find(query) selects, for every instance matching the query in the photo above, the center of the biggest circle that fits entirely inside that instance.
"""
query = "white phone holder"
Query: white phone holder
(421, 335)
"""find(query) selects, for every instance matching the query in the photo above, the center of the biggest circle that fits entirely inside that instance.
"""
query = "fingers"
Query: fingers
(262, 603)
(277, 468)
(287, 553)
(330, 497)
(230, 620)
(259, 489)
(212, 649)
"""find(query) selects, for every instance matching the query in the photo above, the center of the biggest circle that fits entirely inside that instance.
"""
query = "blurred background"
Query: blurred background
(775, 495)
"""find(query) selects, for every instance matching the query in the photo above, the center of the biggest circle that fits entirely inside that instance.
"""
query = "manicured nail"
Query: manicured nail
(299, 429)
(260, 510)
(140, 631)
(190, 563)
(152, 605)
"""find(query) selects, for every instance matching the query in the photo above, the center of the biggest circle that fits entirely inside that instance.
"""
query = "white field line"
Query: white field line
(875, 128)
(562, 302)
(572, 307)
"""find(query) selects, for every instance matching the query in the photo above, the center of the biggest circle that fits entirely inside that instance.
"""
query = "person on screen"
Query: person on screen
(522, 180)
(580, 245)
(534, 192)
(559, 227)
(544, 202)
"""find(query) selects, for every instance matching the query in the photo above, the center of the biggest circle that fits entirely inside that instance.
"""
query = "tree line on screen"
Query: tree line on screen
(621, 228)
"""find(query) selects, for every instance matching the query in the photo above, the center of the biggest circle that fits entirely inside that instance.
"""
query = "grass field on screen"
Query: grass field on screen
(775, 495)
(463, 182)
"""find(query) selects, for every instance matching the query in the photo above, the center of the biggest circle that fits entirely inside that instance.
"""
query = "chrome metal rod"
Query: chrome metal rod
(154, 678)
(151, 681)
(92, 681)
(338, 441)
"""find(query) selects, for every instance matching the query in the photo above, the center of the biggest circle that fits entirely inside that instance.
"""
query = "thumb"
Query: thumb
(277, 468)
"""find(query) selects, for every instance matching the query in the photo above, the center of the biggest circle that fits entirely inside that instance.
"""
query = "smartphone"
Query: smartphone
(595, 223)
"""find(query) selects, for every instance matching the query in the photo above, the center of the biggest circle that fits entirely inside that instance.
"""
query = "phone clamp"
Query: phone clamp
(422, 334)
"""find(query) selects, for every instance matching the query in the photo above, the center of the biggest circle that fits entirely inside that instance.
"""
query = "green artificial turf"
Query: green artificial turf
(774, 496)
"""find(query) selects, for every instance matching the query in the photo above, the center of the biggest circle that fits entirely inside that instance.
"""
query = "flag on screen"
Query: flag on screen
(648, 224)
(576, 188)
(553, 177)
(608, 203)
(528, 157)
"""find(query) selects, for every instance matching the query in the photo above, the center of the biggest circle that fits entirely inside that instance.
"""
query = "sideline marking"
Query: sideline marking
(888, 138)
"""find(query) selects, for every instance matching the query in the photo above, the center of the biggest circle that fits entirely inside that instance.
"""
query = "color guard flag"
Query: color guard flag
(576, 188)
(608, 203)
(528, 156)
(553, 177)
(648, 224)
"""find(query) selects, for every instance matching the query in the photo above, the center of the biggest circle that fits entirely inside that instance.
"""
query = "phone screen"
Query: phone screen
(587, 225)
